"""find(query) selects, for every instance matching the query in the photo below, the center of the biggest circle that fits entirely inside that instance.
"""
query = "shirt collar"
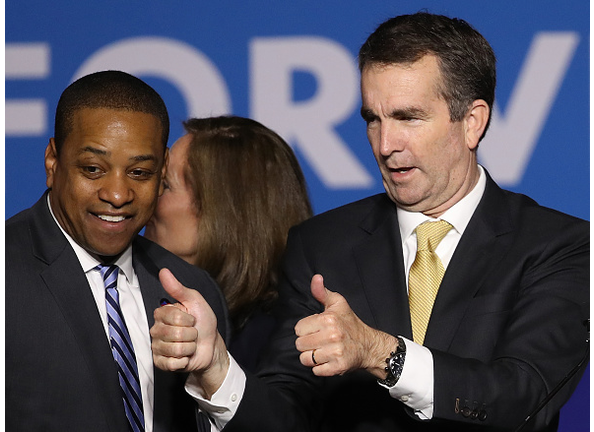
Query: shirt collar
(88, 261)
(458, 215)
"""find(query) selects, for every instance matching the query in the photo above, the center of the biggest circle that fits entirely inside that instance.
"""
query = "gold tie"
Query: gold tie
(425, 276)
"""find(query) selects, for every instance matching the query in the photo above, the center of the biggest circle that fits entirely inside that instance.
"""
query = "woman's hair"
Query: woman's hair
(249, 190)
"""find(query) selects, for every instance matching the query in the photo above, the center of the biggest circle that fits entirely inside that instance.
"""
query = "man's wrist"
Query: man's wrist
(222, 405)
(377, 353)
(394, 364)
(211, 379)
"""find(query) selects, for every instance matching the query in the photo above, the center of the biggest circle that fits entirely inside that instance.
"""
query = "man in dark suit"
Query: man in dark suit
(104, 170)
(446, 303)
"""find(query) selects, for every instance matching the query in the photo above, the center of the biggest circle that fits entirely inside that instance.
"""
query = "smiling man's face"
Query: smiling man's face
(107, 177)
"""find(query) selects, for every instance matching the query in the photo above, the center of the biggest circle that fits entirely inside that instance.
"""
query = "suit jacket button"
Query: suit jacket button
(465, 411)
(482, 415)
(474, 414)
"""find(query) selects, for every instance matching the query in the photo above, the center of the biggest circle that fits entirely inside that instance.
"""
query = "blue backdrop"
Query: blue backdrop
(292, 66)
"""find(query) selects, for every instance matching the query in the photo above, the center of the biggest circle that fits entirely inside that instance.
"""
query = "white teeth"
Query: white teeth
(108, 218)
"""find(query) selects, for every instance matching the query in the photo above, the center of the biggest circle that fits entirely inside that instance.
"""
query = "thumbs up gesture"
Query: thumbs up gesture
(336, 341)
(185, 336)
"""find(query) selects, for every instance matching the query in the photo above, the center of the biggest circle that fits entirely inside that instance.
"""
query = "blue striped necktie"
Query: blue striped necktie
(122, 350)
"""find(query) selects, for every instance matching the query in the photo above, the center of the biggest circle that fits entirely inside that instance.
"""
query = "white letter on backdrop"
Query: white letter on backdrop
(511, 139)
(26, 61)
(191, 72)
(309, 124)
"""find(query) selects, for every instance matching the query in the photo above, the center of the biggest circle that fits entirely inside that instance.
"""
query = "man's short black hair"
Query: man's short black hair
(112, 90)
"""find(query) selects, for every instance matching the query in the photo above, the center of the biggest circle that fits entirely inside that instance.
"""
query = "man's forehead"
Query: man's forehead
(124, 113)
(95, 130)
(410, 80)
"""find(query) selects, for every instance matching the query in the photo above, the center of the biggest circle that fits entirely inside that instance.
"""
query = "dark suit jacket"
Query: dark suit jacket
(507, 323)
(60, 373)
(247, 344)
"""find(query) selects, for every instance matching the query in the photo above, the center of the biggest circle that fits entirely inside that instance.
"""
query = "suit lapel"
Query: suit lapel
(481, 247)
(148, 279)
(380, 263)
(68, 284)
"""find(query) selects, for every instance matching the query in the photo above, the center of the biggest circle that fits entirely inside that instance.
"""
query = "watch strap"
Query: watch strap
(394, 365)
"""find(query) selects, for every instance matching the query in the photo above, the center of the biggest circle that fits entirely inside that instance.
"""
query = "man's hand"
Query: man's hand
(338, 339)
(185, 336)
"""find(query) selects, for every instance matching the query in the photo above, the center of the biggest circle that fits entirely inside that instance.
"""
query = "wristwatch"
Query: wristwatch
(394, 365)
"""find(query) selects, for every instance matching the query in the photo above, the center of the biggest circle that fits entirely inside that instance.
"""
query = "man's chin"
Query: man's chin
(108, 251)
(404, 201)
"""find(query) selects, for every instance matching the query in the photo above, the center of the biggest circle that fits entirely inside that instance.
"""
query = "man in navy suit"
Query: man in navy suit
(507, 322)
(104, 169)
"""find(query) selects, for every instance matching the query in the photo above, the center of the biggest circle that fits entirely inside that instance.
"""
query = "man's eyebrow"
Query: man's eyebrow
(408, 112)
(398, 113)
(93, 150)
(137, 158)
(142, 158)
(366, 113)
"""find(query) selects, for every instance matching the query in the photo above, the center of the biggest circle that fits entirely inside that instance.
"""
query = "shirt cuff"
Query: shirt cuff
(415, 386)
(223, 404)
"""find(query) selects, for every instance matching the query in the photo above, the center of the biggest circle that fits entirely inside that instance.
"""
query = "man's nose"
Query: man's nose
(390, 140)
(116, 190)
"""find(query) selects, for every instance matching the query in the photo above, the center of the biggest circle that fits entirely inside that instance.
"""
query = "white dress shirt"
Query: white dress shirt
(415, 386)
(132, 307)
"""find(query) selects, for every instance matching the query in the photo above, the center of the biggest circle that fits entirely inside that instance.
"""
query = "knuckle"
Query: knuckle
(179, 334)
(339, 352)
(335, 337)
(329, 319)
(173, 364)
(318, 371)
(178, 350)
(156, 348)
(177, 319)
(154, 331)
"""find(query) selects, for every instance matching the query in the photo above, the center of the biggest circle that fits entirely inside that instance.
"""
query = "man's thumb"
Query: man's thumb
(321, 293)
(175, 288)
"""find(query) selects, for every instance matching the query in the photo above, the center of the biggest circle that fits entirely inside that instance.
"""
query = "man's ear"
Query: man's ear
(476, 122)
(51, 162)
(164, 171)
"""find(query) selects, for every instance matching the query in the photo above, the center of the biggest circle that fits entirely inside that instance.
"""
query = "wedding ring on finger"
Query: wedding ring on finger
(313, 357)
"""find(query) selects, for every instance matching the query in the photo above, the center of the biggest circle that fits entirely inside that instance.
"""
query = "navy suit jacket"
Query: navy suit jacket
(506, 327)
(60, 373)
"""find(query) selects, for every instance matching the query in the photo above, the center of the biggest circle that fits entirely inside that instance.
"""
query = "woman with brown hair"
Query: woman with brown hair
(232, 191)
